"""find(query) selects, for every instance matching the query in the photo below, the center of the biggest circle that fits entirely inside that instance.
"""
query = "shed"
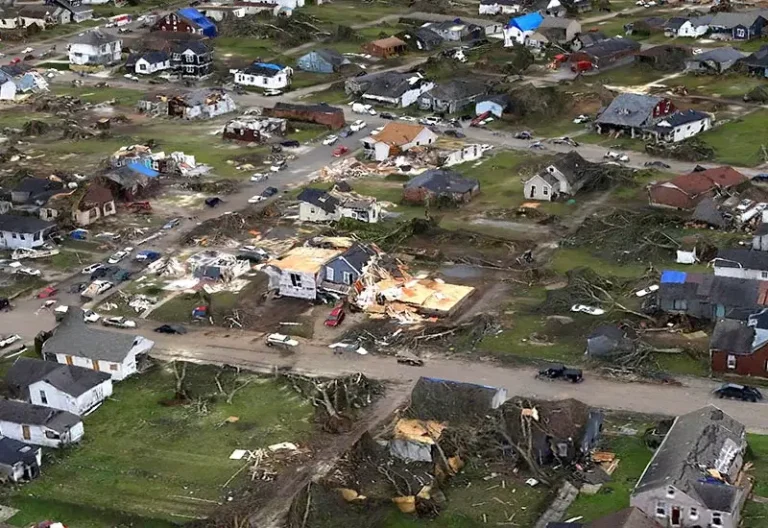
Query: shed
(385, 48)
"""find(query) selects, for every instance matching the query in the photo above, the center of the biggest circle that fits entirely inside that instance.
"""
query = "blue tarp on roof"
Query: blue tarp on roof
(673, 277)
(268, 65)
(143, 169)
(195, 16)
(529, 22)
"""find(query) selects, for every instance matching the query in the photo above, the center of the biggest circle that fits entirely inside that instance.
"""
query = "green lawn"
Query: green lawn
(69, 260)
(91, 94)
(758, 445)
(500, 177)
(247, 48)
(350, 13)
(626, 76)
(734, 85)
(739, 142)
(142, 463)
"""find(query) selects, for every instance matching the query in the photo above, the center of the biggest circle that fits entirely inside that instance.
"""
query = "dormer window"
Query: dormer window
(671, 492)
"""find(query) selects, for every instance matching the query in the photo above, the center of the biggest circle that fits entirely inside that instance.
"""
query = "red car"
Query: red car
(340, 151)
(48, 291)
(335, 317)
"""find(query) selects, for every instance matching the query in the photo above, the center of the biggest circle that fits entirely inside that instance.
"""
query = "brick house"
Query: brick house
(687, 190)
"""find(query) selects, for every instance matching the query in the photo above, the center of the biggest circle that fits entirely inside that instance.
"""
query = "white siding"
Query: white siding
(536, 188)
(119, 371)
(279, 81)
(8, 91)
(143, 66)
(691, 31)
(20, 240)
(57, 399)
(85, 54)
(298, 284)
(311, 213)
(37, 434)
(740, 273)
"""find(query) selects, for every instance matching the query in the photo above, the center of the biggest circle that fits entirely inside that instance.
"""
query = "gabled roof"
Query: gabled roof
(700, 440)
(611, 46)
(74, 338)
(428, 36)
(331, 56)
(550, 22)
(196, 17)
(731, 20)
(680, 118)
(442, 181)
(571, 165)
(626, 518)
(396, 133)
(319, 198)
(629, 109)
(591, 37)
(675, 22)
(69, 379)
(758, 59)
(387, 43)
(94, 37)
(23, 224)
(733, 337)
(392, 84)
(719, 55)
(742, 258)
(457, 89)
(529, 22)
(13, 451)
(153, 57)
(358, 255)
(264, 69)
(28, 414)
(198, 47)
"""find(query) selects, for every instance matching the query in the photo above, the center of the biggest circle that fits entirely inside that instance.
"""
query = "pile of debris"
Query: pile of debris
(586, 287)
(56, 104)
(693, 149)
(291, 31)
(346, 169)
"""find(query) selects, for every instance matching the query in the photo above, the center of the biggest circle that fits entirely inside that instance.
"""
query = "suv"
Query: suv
(281, 340)
(738, 392)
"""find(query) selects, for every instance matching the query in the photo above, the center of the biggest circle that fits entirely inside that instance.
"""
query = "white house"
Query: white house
(23, 231)
(741, 263)
(389, 88)
(451, 153)
(38, 425)
(565, 176)
(694, 27)
(519, 29)
(19, 461)
(495, 7)
(265, 75)
(94, 48)
(7, 87)
(680, 126)
(300, 271)
(396, 138)
(65, 387)
(152, 62)
(75, 343)
(317, 205)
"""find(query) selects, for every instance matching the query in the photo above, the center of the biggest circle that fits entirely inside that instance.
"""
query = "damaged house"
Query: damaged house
(300, 271)
(39, 425)
(343, 271)
(739, 347)
(204, 103)
(217, 266)
(438, 185)
(186, 20)
(687, 190)
(94, 49)
(631, 114)
(23, 231)
(131, 180)
(317, 205)
(564, 177)
(396, 138)
(32, 195)
(386, 47)
(680, 126)
(607, 53)
(741, 263)
(254, 129)
(17, 80)
(265, 75)
(19, 461)
(394, 89)
(421, 39)
(97, 202)
(320, 114)
(716, 61)
(741, 25)
(694, 477)
(439, 399)
(452, 96)
(322, 61)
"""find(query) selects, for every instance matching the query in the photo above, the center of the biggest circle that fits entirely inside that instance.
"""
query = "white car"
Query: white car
(583, 308)
(330, 140)
(101, 286)
(281, 340)
(89, 316)
(358, 125)
(27, 50)
(647, 291)
(485, 147)
(118, 322)
(256, 199)
(407, 118)
(117, 257)
(93, 267)
(582, 119)
(278, 165)
(431, 121)
(259, 177)
(697, 51)
(271, 92)
(9, 340)
(624, 158)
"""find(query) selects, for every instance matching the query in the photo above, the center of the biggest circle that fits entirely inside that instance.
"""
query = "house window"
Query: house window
(680, 304)
(740, 33)
(22, 237)
(545, 191)
(43, 398)
(295, 280)
(731, 361)
(347, 276)
(562, 449)
(93, 213)
(52, 435)
(693, 513)
(113, 366)
(670, 492)
(661, 509)
(717, 519)
(37, 236)
(764, 274)
(329, 274)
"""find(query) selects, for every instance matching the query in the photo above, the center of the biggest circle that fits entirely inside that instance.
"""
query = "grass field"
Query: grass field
(733, 85)
(142, 463)
(740, 142)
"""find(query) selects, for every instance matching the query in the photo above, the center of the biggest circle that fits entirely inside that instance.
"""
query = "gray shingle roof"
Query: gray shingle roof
(94, 37)
(733, 337)
(28, 414)
(13, 451)
(742, 258)
(681, 118)
(458, 89)
(358, 255)
(630, 110)
(731, 20)
(555, 22)
(23, 224)
(332, 56)
(319, 198)
(69, 379)
(572, 165)
(74, 338)
(626, 518)
(706, 211)
(612, 46)
(719, 55)
(697, 441)
(391, 84)
(442, 181)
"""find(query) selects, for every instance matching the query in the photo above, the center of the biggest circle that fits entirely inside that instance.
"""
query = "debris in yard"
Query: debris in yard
(689, 150)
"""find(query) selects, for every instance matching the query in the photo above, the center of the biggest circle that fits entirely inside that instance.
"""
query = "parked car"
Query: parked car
(738, 392)
(647, 291)
(171, 329)
(524, 134)
(335, 317)
(358, 125)
(537, 145)
(345, 132)
(281, 340)
(147, 256)
(25, 270)
(455, 133)
(117, 257)
(387, 115)
(5, 304)
(407, 118)
(170, 224)
(90, 269)
(431, 121)
(48, 291)
(89, 316)
(272, 92)
(269, 192)
(330, 140)
(583, 308)
(340, 151)
(583, 118)
(259, 177)
(9, 340)
(290, 143)
(256, 199)
(560, 371)
(118, 322)
(657, 164)
(278, 165)
(410, 361)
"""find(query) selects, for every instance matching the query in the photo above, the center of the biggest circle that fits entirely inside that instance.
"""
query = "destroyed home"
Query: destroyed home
(316, 205)
(716, 61)
(757, 62)
(321, 61)
(385, 48)
(23, 231)
(94, 49)
(203, 103)
(740, 347)
(608, 341)
(300, 272)
(186, 20)
(389, 88)
(131, 181)
(254, 129)
(38, 425)
(456, 30)
(73, 342)
(694, 27)
(441, 400)
(562, 178)
(559, 30)
(265, 75)
(19, 462)
(743, 25)
(68, 388)
(36, 191)
(421, 39)
(687, 190)
(694, 477)
(707, 215)
(631, 114)
(500, 7)
(587, 39)
(679, 126)
(97, 202)
(607, 53)
(79, 12)
(489, 25)
(344, 270)
(440, 185)
(452, 96)
(396, 138)
(217, 266)
(664, 57)
(496, 105)
(320, 114)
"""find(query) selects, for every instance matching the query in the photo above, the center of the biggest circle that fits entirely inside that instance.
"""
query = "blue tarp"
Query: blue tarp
(268, 65)
(79, 234)
(143, 169)
(529, 22)
(673, 277)
(195, 16)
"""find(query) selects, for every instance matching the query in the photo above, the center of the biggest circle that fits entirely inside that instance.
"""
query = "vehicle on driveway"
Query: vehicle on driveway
(340, 151)
(561, 372)
(170, 224)
(147, 256)
(281, 340)
(656, 164)
(89, 316)
(358, 125)
(272, 92)
(269, 192)
(583, 118)
(118, 322)
(335, 317)
(9, 340)
(290, 143)
(117, 257)
(171, 329)
(387, 115)
(407, 118)
(738, 392)
(345, 132)
(259, 177)
(90, 269)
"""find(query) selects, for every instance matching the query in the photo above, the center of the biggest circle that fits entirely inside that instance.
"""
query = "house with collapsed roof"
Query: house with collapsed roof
(695, 476)
(32, 195)
(452, 96)
(609, 340)
(265, 75)
(321, 114)
(607, 53)
(66, 387)
(503, 7)
(75, 343)
(716, 61)
(204, 103)
(321, 61)
(131, 180)
(421, 39)
(565, 176)
(631, 114)
(693, 27)
(440, 399)
(394, 89)
(98, 202)
(757, 62)
(300, 271)
(17, 80)
(318, 205)
(739, 25)
(39, 425)
(687, 190)
(740, 347)
(19, 461)
(254, 129)
(148, 62)
(436, 185)
(395, 138)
